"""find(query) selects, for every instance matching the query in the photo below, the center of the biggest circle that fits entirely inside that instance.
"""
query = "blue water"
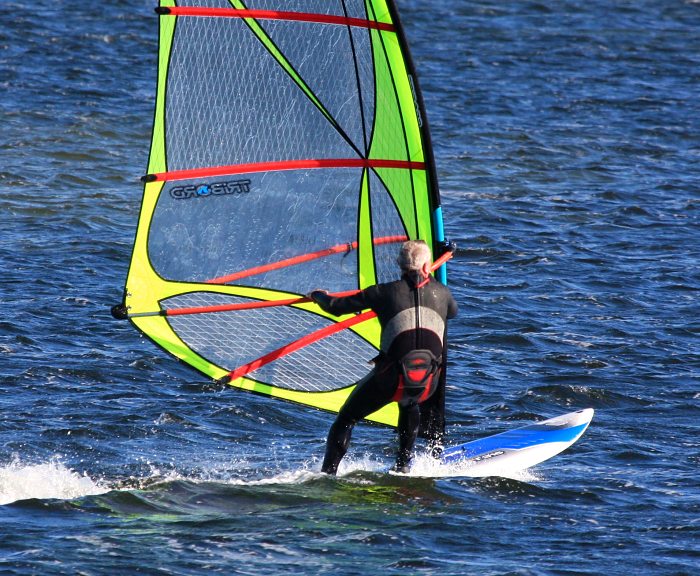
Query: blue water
(568, 144)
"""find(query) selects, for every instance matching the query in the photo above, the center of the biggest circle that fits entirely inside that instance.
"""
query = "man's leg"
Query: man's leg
(370, 394)
(409, 423)
(337, 443)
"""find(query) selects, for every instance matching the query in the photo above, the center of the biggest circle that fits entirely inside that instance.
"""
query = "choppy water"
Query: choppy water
(567, 139)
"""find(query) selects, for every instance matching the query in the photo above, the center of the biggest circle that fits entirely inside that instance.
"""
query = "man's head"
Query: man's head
(414, 256)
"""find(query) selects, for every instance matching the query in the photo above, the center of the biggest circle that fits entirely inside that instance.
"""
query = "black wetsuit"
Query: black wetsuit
(412, 313)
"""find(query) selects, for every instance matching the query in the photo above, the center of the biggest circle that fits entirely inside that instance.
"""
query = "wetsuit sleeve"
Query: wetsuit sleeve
(446, 296)
(452, 307)
(342, 305)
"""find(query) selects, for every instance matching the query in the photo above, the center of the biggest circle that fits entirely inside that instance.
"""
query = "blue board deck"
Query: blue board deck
(523, 447)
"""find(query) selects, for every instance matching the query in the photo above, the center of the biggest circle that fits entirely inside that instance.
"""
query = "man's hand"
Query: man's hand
(321, 297)
(318, 296)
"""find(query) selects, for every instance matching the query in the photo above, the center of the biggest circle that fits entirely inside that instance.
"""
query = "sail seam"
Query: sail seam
(392, 75)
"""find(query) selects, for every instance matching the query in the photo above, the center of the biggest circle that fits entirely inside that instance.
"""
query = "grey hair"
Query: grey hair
(412, 255)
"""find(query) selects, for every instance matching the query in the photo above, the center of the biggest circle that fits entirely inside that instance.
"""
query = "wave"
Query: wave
(49, 480)
(53, 480)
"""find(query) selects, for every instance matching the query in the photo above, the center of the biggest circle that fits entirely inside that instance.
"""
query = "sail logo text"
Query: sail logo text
(206, 190)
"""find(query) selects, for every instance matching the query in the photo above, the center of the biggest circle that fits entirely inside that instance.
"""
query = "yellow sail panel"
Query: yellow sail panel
(289, 152)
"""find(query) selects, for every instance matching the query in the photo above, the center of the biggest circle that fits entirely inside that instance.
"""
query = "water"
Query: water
(566, 136)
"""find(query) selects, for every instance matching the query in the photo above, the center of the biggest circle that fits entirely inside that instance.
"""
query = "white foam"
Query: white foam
(289, 477)
(19, 481)
(357, 463)
(425, 466)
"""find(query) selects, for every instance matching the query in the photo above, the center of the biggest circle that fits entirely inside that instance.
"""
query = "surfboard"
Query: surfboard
(520, 448)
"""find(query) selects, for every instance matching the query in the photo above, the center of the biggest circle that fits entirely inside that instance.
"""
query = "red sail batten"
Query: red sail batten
(254, 167)
(301, 259)
(278, 15)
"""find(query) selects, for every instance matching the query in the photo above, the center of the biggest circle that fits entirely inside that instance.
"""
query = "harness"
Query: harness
(417, 372)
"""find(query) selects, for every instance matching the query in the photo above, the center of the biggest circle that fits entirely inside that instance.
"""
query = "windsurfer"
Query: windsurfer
(413, 313)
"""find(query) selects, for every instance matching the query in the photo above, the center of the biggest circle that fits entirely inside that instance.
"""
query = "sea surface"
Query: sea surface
(567, 137)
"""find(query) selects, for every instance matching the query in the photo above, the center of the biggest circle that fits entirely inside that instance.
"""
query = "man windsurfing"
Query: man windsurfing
(413, 314)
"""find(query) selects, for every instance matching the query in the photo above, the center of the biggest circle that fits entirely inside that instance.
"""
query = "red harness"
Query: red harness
(417, 374)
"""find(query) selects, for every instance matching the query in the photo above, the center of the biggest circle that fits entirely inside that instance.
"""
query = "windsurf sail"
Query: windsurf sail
(290, 151)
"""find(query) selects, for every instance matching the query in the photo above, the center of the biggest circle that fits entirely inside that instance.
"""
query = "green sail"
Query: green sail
(289, 152)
